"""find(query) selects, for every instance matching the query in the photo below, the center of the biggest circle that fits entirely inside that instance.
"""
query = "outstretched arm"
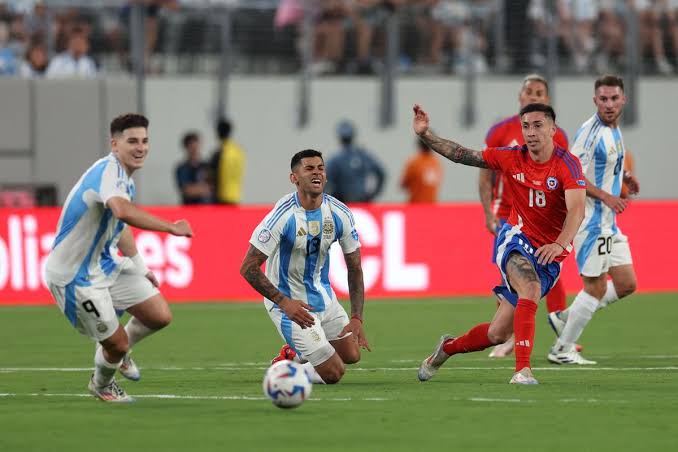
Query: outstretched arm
(447, 148)
(127, 212)
(250, 269)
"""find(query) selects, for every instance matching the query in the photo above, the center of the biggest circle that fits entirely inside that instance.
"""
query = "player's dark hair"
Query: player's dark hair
(128, 121)
(535, 78)
(546, 109)
(224, 128)
(188, 138)
(306, 153)
(609, 80)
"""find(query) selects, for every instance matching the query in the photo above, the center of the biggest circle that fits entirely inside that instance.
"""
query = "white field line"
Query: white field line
(313, 399)
(553, 368)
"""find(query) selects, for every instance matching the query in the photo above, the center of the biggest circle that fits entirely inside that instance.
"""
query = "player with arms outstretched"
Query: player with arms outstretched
(602, 249)
(294, 240)
(495, 196)
(548, 206)
(84, 273)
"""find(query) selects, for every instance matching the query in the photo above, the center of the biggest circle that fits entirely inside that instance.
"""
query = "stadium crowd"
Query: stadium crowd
(436, 36)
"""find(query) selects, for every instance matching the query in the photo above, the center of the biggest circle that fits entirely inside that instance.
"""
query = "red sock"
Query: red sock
(555, 300)
(523, 328)
(473, 341)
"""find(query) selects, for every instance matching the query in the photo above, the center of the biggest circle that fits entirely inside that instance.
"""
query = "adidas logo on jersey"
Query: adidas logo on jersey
(301, 232)
(520, 177)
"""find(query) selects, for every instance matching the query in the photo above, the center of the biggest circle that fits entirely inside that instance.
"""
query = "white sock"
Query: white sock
(609, 297)
(136, 331)
(103, 370)
(312, 373)
(581, 312)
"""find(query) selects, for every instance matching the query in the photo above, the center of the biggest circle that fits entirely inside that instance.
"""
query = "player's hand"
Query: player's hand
(181, 228)
(420, 122)
(615, 203)
(151, 277)
(297, 311)
(491, 223)
(355, 327)
(548, 253)
(632, 183)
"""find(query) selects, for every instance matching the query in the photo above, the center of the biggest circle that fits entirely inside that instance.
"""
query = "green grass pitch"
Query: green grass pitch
(201, 386)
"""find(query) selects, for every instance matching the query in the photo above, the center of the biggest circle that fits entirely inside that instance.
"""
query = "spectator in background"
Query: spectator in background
(36, 61)
(227, 166)
(329, 36)
(8, 63)
(353, 175)
(422, 176)
(192, 174)
(74, 62)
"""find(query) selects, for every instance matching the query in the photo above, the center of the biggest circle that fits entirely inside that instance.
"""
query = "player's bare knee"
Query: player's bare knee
(333, 374)
(625, 289)
(530, 290)
(498, 335)
(352, 356)
(117, 349)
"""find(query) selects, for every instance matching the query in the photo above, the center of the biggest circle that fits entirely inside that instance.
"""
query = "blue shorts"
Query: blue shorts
(500, 225)
(511, 240)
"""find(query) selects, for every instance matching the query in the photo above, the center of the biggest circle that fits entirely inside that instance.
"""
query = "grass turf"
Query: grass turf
(214, 356)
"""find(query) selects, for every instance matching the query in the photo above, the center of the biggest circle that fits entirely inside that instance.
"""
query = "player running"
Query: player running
(548, 206)
(496, 199)
(601, 248)
(84, 273)
(294, 239)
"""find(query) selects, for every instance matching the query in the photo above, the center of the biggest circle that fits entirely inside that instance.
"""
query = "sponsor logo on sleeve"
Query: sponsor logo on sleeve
(264, 236)
(354, 234)
(581, 182)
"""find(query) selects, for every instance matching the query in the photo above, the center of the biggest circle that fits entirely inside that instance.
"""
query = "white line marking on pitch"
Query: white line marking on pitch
(354, 369)
(194, 397)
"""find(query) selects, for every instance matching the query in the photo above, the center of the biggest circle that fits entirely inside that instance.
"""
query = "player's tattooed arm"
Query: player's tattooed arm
(454, 151)
(251, 271)
(356, 287)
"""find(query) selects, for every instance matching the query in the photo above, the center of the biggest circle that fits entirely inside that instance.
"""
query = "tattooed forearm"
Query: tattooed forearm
(453, 151)
(518, 266)
(356, 287)
(251, 271)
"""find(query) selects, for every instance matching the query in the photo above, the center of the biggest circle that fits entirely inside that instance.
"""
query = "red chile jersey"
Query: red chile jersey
(509, 132)
(538, 190)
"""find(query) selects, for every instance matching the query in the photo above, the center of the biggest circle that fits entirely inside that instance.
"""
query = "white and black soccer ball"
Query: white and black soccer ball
(287, 384)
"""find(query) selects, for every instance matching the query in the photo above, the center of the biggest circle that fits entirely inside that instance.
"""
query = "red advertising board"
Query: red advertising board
(408, 251)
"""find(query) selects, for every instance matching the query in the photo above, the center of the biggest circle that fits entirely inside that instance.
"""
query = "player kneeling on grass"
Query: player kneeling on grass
(548, 206)
(294, 240)
(84, 273)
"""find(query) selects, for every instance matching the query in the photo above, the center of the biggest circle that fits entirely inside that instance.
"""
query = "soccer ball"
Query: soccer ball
(287, 384)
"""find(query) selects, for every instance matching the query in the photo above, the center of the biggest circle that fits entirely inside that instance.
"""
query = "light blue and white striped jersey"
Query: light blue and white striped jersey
(85, 247)
(600, 149)
(297, 242)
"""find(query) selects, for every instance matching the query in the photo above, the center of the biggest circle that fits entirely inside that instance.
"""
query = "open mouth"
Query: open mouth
(316, 182)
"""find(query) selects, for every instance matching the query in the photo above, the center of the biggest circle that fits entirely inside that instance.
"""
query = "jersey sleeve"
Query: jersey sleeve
(583, 148)
(493, 137)
(113, 183)
(571, 173)
(492, 158)
(347, 235)
(267, 234)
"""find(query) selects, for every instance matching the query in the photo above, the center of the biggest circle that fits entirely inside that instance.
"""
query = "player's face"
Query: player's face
(533, 92)
(131, 148)
(309, 176)
(610, 101)
(538, 130)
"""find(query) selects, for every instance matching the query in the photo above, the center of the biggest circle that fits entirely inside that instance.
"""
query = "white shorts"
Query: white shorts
(92, 309)
(597, 253)
(312, 343)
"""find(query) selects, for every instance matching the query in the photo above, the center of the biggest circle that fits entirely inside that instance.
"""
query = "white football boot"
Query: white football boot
(523, 377)
(430, 365)
(109, 393)
(129, 369)
(558, 355)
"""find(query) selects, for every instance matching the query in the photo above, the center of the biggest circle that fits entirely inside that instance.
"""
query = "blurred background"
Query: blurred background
(285, 75)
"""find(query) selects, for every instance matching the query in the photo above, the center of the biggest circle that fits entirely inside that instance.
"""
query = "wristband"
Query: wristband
(560, 246)
(357, 318)
(140, 264)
